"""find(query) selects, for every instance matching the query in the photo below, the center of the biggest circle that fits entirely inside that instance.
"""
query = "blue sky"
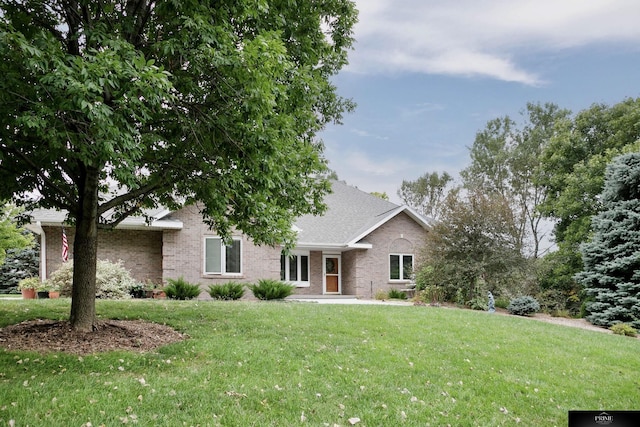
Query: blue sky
(428, 74)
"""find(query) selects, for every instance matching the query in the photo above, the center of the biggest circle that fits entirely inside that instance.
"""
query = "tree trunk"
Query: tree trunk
(85, 255)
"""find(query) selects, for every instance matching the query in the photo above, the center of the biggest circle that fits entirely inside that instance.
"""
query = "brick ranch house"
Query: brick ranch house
(362, 244)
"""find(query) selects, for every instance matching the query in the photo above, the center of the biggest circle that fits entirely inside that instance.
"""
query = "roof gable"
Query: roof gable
(351, 215)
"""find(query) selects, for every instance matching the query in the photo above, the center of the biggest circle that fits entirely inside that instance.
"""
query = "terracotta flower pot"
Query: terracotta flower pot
(54, 294)
(158, 294)
(28, 293)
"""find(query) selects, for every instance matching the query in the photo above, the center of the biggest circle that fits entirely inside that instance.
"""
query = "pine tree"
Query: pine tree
(19, 264)
(611, 273)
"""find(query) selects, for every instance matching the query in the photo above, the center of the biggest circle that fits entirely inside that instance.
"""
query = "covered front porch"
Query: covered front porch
(331, 273)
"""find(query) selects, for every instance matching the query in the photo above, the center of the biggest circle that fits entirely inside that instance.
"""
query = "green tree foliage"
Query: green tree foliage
(474, 245)
(574, 164)
(506, 158)
(11, 236)
(611, 273)
(382, 195)
(426, 193)
(111, 107)
(573, 167)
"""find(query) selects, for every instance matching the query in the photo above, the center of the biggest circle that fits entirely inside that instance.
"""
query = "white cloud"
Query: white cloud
(385, 175)
(483, 37)
(366, 134)
(361, 163)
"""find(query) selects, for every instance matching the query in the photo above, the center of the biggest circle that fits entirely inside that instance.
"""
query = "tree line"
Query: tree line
(546, 177)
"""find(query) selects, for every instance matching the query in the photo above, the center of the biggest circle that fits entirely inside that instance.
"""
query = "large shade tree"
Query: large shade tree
(573, 166)
(111, 107)
(611, 273)
(427, 193)
(506, 158)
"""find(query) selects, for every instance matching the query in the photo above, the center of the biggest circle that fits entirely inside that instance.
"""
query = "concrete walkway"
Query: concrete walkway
(344, 299)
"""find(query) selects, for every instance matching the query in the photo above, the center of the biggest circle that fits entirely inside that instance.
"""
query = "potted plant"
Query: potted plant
(148, 289)
(159, 293)
(28, 287)
(137, 290)
(42, 290)
(54, 290)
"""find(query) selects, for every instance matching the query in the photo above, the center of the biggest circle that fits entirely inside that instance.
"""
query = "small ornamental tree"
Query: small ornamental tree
(473, 243)
(611, 273)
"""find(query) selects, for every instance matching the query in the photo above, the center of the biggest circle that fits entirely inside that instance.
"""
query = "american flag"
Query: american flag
(65, 247)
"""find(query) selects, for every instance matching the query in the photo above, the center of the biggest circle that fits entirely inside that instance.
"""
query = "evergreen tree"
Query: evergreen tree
(611, 273)
(19, 264)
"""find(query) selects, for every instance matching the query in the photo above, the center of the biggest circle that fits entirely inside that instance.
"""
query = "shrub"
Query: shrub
(478, 303)
(381, 295)
(432, 294)
(623, 329)
(523, 306)
(502, 302)
(113, 281)
(269, 289)
(227, 291)
(180, 289)
(552, 300)
(396, 294)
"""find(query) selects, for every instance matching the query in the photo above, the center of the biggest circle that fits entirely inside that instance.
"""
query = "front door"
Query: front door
(331, 272)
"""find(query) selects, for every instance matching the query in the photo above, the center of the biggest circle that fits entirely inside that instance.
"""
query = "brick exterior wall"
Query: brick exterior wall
(399, 235)
(140, 251)
(183, 254)
(159, 255)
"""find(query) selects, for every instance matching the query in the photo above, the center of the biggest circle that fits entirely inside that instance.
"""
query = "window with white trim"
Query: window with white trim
(220, 258)
(294, 268)
(400, 267)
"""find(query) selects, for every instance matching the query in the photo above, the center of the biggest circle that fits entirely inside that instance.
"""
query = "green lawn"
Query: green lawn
(286, 364)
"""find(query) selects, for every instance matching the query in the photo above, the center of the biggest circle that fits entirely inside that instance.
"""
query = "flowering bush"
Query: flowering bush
(113, 281)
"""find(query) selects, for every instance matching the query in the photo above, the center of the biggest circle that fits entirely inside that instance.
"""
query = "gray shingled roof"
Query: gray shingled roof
(52, 217)
(351, 215)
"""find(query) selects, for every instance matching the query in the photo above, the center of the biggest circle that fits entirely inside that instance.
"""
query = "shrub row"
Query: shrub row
(113, 281)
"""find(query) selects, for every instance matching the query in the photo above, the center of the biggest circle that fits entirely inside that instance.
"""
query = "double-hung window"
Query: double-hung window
(400, 267)
(294, 268)
(220, 258)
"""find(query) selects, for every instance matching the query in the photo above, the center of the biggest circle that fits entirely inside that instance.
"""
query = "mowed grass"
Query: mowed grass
(288, 364)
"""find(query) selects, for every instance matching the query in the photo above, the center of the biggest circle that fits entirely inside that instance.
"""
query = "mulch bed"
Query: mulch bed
(45, 336)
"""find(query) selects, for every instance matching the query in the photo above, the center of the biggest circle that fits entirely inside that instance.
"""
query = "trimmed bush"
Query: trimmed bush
(396, 294)
(269, 289)
(113, 281)
(180, 289)
(623, 329)
(523, 306)
(227, 291)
